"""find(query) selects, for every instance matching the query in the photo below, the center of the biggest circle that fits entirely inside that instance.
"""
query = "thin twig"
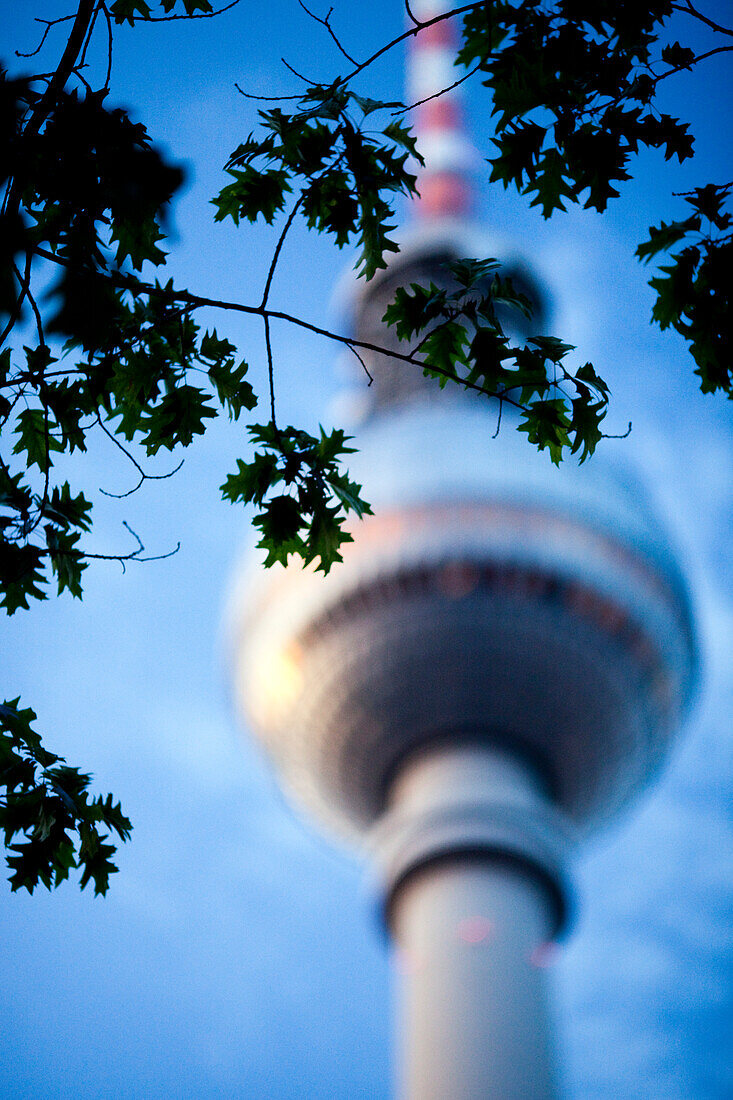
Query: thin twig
(408, 9)
(74, 45)
(270, 370)
(25, 283)
(361, 360)
(436, 95)
(49, 23)
(310, 83)
(197, 301)
(134, 555)
(327, 24)
(408, 34)
(33, 305)
(143, 475)
(692, 194)
(498, 422)
(370, 60)
(43, 388)
(77, 73)
(688, 9)
(699, 57)
(276, 253)
(266, 98)
(90, 32)
(110, 37)
(624, 435)
(193, 15)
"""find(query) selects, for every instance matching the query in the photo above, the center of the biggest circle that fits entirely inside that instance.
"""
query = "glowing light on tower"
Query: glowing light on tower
(495, 669)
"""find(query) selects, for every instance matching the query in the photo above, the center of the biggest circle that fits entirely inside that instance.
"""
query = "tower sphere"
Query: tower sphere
(492, 598)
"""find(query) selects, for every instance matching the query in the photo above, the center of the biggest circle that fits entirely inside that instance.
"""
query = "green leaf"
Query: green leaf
(468, 273)
(280, 520)
(404, 137)
(369, 106)
(137, 240)
(176, 419)
(253, 480)
(49, 822)
(126, 11)
(444, 350)
(675, 287)
(678, 56)
(546, 424)
(708, 201)
(232, 389)
(253, 194)
(551, 183)
(20, 575)
(414, 309)
(664, 237)
(348, 492)
(34, 439)
(325, 538)
(329, 206)
(586, 426)
(66, 559)
(552, 348)
(587, 374)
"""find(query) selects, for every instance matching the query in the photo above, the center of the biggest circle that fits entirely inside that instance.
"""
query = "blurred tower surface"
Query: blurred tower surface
(495, 669)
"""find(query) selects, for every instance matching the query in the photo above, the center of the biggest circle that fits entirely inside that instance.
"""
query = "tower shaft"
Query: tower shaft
(473, 1015)
(472, 906)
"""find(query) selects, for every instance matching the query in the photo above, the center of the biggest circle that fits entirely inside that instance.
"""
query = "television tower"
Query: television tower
(495, 669)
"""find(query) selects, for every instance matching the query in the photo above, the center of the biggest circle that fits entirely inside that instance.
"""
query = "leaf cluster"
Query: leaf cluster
(345, 176)
(88, 197)
(132, 11)
(302, 494)
(461, 339)
(51, 823)
(572, 85)
(694, 289)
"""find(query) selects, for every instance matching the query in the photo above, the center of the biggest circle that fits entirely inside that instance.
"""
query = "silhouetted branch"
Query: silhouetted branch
(49, 24)
(270, 370)
(276, 253)
(310, 83)
(689, 9)
(143, 475)
(193, 15)
(361, 360)
(134, 555)
(437, 95)
(327, 24)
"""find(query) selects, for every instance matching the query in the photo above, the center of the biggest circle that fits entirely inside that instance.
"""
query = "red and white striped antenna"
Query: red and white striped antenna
(445, 184)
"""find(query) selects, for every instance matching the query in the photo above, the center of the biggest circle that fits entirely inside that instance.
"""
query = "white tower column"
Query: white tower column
(473, 905)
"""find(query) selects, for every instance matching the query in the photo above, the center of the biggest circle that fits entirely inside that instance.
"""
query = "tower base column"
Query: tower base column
(471, 850)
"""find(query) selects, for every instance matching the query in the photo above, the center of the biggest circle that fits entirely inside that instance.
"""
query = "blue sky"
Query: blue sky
(237, 953)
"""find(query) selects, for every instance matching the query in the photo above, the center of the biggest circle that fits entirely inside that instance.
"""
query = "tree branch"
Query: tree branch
(143, 475)
(689, 9)
(49, 24)
(327, 24)
(437, 95)
(695, 60)
(276, 254)
(134, 555)
(193, 15)
(270, 369)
